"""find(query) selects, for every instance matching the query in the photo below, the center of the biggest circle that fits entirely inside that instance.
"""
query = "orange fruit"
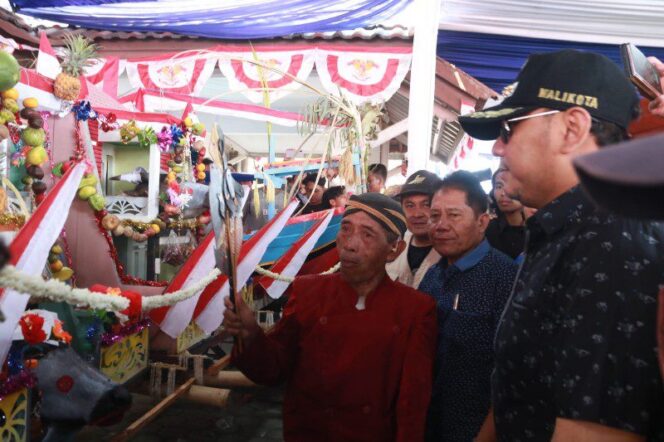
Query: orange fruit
(30, 102)
(11, 94)
(56, 266)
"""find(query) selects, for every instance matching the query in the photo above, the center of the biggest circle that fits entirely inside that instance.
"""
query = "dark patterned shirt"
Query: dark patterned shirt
(577, 337)
(506, 238)
(481, 281)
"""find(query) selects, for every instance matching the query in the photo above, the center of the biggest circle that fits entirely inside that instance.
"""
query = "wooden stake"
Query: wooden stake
(230, 238)
(153, 413)
(219, 365)
(229, 379)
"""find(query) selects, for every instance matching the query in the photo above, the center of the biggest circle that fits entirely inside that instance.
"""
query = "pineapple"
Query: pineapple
(79, 54)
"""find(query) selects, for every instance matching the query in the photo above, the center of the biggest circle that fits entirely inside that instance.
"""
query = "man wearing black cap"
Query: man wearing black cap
(412, 264)
(354, 348)
(575, 351)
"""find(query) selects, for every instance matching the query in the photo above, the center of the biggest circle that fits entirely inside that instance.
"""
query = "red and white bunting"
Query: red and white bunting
(105, 73)
(291, 262)
(364, 76)
(29, 249)
(245, 77)
(209, 311)
(155, 101)
(466, 143)
(186, 75)
(174, 319)
(48, 64)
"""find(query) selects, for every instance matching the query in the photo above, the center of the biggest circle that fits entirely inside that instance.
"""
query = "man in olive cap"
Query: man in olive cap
(575, 348)
(354, 348)
(412, 264)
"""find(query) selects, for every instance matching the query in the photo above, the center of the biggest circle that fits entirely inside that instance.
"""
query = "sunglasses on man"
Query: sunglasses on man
(506, 128)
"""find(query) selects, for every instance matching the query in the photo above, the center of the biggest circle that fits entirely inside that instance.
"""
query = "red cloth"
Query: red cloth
(352, 375)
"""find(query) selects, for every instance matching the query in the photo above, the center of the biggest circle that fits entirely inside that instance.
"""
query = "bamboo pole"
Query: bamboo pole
(229, 379)
(201, 394)
(155, 411)
(219, 365)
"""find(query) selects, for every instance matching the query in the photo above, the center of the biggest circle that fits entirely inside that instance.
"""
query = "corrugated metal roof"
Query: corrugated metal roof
(14, 19)
(374, 32)
(57, 33)
(368, 33)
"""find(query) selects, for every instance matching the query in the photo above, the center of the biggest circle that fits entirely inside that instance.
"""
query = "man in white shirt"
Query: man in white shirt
(412, 264)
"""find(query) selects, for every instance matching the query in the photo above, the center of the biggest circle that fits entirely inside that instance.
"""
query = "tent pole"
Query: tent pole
(422, 83)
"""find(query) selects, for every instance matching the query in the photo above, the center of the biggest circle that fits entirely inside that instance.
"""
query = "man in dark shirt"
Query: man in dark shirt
(575, 348)
(507, 231)
(333, 197)
(314, 191)
(410, 267)
(629, 180)
(471, 284)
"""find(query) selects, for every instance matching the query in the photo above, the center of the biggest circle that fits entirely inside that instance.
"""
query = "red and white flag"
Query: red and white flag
(47, 60)
(210, 309)
(38, 86)
(174, 319)
(29, 250)
(291, 261)
(105, 73)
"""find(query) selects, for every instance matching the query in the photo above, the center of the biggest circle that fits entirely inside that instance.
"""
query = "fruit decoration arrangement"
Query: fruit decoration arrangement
(137, 231)
(26, 129)
(87, 191)
(79, 53)
(34, 140)
(56, 266)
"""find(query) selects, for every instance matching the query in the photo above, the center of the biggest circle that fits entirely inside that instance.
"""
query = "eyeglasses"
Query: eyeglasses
(506, 130)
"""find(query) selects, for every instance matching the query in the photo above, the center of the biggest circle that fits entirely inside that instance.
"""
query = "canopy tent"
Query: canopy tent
(491, 40)
(240, 19)
(495, 60)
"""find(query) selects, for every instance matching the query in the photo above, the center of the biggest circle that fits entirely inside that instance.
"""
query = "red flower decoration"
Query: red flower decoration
(65, 383)
(31, 326)
(108, 122)
(135, 304)
(135, 299)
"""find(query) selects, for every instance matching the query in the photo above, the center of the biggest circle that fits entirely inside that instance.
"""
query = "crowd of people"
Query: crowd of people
(529, 314)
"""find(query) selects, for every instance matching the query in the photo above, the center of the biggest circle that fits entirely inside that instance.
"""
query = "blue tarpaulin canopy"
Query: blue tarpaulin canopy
(223, 19)
(491, 40)
(495, 60)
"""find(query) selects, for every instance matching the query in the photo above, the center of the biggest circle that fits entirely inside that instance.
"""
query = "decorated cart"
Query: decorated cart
(123, 213)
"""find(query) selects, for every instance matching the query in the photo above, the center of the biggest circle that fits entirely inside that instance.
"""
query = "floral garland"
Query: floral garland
(168, 299)
(58, 291)
(279, 277)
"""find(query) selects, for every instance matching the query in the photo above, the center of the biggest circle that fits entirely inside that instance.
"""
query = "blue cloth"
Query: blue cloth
(495, 60)
(482, 280)
(216, 19)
